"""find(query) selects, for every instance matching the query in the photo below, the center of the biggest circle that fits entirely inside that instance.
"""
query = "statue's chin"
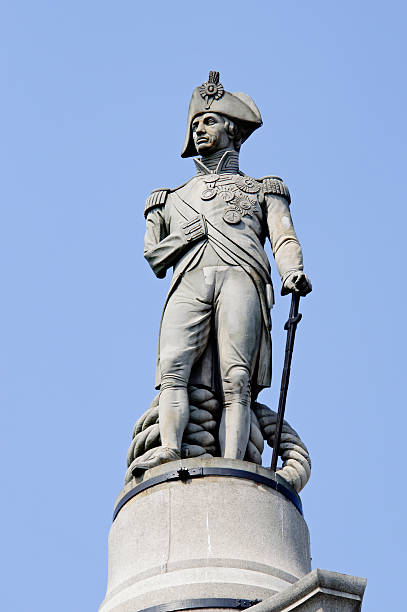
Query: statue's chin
(206, 149)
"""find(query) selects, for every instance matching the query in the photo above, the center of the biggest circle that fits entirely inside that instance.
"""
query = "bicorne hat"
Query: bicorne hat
(211, 97)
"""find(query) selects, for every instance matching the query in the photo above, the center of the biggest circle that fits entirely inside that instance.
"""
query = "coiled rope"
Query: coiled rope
(201, 437)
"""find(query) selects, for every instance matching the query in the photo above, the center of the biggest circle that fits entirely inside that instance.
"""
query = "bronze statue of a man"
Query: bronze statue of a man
(215, 328)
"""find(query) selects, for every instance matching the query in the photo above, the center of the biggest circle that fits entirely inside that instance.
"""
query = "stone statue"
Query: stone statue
(200, 524)
(214, 339)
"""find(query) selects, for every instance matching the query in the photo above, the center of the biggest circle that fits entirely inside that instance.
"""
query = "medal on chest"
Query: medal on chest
(238, 192)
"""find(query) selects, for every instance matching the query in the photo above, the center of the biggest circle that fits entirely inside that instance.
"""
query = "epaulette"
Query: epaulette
(158, 197)
(275, 186)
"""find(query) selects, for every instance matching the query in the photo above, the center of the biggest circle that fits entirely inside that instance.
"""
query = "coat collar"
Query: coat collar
(218, 163)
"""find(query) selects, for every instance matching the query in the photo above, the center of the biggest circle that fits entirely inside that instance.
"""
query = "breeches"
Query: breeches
(222, 297)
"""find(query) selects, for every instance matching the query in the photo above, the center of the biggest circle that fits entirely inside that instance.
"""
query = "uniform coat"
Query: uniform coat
(168, 212)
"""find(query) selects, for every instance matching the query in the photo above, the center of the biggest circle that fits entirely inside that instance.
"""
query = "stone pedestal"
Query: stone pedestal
(208, 534)
(213, 529)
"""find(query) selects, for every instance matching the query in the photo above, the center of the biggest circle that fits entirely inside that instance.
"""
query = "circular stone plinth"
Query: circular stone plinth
(204, 529)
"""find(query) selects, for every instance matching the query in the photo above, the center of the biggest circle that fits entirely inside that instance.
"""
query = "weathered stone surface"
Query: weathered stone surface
(208, 537)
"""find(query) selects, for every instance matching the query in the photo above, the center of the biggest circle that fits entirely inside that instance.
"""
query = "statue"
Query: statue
(214, 352)
(200, 524)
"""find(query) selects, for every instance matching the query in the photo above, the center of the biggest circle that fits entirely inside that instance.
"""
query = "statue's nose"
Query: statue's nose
(200, 129)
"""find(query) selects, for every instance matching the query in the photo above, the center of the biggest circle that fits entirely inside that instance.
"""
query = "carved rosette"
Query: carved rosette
(211, 90)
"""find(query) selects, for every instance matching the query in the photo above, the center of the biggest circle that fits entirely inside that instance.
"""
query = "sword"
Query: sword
(290, 327)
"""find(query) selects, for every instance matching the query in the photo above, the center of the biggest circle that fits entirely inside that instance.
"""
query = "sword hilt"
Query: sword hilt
(293, 321)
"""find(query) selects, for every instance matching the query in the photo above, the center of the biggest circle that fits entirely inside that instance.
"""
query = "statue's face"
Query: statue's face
(209, 133)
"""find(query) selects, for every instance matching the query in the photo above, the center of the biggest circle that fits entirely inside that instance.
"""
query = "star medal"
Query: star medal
(244, 203)
(232, 215)
(247, 184)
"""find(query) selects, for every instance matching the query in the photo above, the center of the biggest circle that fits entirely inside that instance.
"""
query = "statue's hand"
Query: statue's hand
(296, 282)
(195, 229)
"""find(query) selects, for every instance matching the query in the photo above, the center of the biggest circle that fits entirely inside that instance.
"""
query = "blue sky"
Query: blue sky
(94, 102)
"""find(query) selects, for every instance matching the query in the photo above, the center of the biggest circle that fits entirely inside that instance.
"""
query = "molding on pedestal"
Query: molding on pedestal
(206, 603)
(318, 591)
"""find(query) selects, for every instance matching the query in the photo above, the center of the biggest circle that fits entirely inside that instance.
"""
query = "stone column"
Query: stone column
(205, 533)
